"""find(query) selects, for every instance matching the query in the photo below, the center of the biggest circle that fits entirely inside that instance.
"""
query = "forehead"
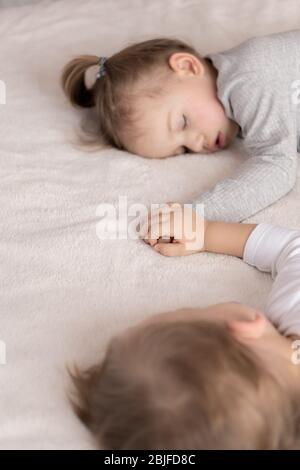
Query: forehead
(150, 134)
(153, 138)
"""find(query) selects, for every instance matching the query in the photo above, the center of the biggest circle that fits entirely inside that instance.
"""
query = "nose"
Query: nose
(197, 143)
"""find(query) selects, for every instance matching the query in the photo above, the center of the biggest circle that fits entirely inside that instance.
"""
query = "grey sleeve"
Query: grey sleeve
(268, 122)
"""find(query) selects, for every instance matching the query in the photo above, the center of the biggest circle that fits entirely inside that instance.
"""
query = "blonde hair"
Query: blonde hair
(139, 70)
(183, 385)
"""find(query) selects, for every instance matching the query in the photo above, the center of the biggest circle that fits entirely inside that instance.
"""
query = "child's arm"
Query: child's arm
(267, 118)
(227, 238)
(270, 248)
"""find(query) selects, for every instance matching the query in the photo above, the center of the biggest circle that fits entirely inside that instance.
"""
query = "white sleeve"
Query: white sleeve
(276, 249)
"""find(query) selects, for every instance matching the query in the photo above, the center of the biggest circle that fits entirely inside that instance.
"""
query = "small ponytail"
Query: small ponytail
(73, 81)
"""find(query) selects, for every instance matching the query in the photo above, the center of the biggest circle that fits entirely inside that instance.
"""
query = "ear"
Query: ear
(248, 329)
(186, 63)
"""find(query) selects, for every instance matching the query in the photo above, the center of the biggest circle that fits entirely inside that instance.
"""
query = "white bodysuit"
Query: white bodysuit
(276, 249)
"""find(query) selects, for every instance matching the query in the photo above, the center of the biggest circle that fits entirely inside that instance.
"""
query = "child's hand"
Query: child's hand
(175, 230)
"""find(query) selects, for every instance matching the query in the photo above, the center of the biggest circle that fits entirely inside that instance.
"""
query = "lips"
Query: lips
(218, 144)
(218, 141)
(221, 140)
(214, 146)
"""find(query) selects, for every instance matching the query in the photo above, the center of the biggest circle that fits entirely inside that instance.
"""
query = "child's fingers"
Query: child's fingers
(170, 249)
(160, 230)
(144, 229)
(151, 230)
(160, 215)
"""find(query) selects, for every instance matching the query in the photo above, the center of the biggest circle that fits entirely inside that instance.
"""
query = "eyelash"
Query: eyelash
(186, 150)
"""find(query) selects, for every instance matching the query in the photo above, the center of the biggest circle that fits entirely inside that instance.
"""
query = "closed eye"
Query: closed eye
(185, 149)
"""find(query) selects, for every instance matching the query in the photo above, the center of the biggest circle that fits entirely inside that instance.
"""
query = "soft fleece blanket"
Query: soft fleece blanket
(64, 292)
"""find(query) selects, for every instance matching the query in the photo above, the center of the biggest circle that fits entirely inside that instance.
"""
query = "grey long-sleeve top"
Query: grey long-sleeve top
(259, 85)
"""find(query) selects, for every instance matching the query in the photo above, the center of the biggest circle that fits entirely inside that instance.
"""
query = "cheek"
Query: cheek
(215, 112)
(209, 113)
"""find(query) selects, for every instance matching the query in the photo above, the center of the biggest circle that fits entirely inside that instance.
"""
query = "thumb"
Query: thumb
(170, 249)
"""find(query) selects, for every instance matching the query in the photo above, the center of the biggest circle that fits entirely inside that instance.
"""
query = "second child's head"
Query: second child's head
(158, 98)
(220, 377)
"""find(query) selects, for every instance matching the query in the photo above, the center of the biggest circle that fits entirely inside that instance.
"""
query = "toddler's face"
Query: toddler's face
(188, 117)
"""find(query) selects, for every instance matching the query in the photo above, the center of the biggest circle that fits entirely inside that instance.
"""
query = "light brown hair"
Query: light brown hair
(139, 70)
(183, 385)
